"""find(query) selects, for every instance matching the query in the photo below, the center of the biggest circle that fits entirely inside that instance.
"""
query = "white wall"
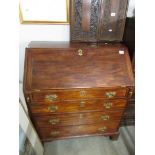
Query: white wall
(131, 7)
(47, 33)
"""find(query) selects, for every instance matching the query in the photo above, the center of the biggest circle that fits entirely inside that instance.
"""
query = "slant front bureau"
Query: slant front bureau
(77, 89)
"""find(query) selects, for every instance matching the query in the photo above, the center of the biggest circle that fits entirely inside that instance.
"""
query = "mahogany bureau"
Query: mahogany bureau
(77, 89)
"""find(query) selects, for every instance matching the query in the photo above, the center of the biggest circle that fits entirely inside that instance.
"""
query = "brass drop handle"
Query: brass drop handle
(54, 133)
(102, 129)
(82, 104)
(51, 97)
(110, 94)
(80, 52)
(108, 105)
(105, 117)
(54, 121)
(52, 108)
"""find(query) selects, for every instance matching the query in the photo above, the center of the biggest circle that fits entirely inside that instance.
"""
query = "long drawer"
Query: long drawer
(77, 106)
(74, 94)
(76, 119)
(68, 131)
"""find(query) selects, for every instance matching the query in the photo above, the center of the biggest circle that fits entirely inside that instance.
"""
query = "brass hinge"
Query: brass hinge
(131, 90)
(130, 94)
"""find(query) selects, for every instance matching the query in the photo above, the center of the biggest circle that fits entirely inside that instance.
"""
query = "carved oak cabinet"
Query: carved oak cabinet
(97, 20)
(77, 89)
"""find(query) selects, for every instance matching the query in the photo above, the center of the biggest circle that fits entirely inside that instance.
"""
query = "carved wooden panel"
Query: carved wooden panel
(107, 20)
(77, 33)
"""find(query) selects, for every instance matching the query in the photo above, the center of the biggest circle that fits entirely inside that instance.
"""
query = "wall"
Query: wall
(47, 33)
(131, 8)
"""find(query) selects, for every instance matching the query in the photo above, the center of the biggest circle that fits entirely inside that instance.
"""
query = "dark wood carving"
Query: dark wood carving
(107, 20)
(112, 27)
(77, 33)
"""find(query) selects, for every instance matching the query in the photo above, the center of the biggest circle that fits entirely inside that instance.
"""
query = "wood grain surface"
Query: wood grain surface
(63, 68)
(54, 120)
(75, 106)
(77, 89)
(81, 130)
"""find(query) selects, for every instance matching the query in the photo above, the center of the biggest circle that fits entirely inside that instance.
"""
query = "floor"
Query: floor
(98, 145)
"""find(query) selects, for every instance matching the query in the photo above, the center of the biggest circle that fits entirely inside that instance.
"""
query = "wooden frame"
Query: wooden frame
(34, 14)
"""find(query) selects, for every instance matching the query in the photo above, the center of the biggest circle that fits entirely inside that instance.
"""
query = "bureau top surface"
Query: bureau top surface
(61, 65)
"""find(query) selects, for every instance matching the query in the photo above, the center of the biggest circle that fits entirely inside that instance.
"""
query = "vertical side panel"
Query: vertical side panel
(112, 22)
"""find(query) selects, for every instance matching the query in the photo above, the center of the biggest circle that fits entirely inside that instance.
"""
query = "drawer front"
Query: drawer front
(78, 106)
(77, 119)
(49, 133)
(57, 95)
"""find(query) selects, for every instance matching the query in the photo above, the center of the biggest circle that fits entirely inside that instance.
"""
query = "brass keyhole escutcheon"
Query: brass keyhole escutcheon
(82, 104)
(80, 52)
(81, 116)
(82, 93)
(52, 108)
